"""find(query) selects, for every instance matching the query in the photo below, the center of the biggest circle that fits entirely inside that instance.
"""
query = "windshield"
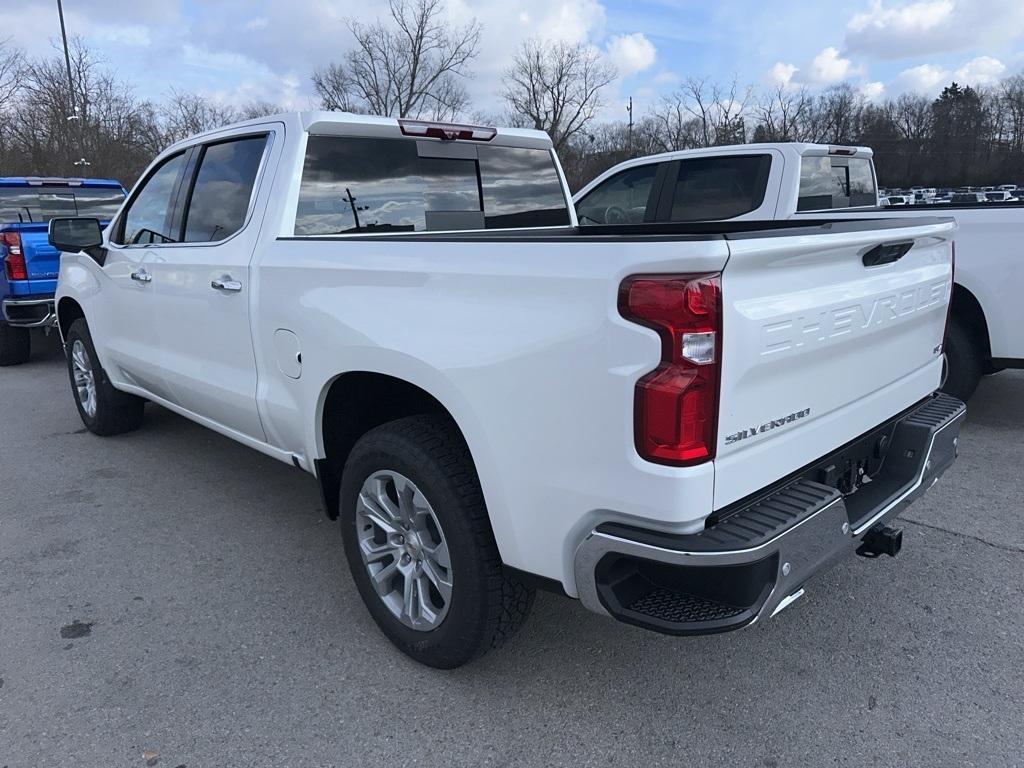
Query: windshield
(40, 204)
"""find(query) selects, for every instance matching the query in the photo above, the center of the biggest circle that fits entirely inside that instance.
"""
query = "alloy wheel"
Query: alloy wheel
(404, 550)
(85, 379)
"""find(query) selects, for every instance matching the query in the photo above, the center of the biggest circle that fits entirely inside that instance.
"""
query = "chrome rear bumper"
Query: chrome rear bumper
(30, 313)
(756, 560)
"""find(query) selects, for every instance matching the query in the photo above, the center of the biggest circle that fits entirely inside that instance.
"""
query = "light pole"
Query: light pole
(74, 117)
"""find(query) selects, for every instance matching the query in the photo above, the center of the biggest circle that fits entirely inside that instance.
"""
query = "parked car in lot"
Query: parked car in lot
(800, 181)
(970, 198)
(30, 263)
(678, 424)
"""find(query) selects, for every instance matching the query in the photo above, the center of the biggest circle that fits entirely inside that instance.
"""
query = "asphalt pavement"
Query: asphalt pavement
(172, 598)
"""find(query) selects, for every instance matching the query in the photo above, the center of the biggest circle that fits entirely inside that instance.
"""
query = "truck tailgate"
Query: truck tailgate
(42, 260)
(820, 344)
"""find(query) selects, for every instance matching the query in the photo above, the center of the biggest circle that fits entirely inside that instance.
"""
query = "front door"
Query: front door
(203, 287)
(125, 319)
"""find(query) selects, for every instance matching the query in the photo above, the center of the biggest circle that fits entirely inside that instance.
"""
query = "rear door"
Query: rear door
(825, 337)
(203, 285)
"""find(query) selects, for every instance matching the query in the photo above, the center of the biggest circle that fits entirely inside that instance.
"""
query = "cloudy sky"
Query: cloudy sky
(241, 50)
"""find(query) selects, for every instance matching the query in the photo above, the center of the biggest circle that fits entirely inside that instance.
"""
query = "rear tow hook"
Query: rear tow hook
(881, 540)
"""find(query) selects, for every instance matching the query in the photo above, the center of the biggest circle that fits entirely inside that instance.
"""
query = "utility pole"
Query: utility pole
(351, 200)
(74, 116)
(630, 133)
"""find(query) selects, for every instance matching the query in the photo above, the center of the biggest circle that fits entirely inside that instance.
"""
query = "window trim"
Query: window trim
(174, 221)
(292, 203)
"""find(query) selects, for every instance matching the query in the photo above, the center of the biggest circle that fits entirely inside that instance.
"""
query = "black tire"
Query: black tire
(15, 345)
(116, 412)
(964, 364)
(487, 605)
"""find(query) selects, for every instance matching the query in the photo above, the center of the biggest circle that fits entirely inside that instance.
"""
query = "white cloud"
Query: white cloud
(894, 30)
(926, 79)
(666, 77)
(983, 70)
(782, 73)
(873, 91)
(829, 67)
(631, 53)
(133, 34)
(916, 18)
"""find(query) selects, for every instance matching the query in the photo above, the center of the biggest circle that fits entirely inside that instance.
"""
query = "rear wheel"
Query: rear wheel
(419, 544)
(15, 345)
(964, 364)
(104, 409)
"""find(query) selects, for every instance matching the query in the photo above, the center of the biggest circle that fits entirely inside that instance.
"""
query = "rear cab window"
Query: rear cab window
(382, 185)
(834, 181)
(40, 203)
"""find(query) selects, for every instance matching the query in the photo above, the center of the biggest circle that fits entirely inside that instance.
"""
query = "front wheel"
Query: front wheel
(420, 547)
(104, 409)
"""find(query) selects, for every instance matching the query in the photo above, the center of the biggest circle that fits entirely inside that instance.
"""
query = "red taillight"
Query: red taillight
(14, 261)
(676, 404)
(446, 131)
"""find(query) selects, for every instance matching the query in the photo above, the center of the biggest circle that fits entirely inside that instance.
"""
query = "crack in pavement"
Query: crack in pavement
(1004, 547)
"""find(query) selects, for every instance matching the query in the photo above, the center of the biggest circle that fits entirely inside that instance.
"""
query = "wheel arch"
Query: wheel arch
(353, 403)
(967, 309)
(68, 310)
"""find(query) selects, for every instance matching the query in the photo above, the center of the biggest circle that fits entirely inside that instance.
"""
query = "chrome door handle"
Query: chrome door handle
(226, 284)
(142, 276)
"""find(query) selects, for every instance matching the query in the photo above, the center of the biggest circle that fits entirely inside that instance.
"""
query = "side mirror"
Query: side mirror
(78, 234)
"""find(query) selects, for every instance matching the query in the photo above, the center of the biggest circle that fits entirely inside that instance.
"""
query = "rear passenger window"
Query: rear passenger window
(401, 185)
(220, 196)
(620, 199)
(862, 182)
(835, 182)
(719, 187)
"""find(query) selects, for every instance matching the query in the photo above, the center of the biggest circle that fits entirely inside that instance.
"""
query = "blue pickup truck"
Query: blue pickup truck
(30, 264)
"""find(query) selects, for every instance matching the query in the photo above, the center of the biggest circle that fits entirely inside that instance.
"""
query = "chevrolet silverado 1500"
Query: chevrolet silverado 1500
(798, 181)
(679, 425)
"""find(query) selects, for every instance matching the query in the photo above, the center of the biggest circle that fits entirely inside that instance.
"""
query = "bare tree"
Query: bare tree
(719, 110)
(783, 114)
(10, 72)
(1011, 92)
(185, 114)
(96, 118)
(837, 114)
(412, 67)
(675, 127)
(556, 87)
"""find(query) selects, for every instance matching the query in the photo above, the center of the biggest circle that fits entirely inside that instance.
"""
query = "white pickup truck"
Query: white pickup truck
(792, 181)
(680, 425)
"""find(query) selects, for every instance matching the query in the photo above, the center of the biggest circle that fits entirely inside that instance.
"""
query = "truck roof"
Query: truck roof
(801, 148)
(347, 123)
(40, 181)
